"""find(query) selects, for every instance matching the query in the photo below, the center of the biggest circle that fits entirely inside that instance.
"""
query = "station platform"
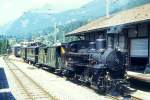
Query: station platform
(139, 76)
(5, 93)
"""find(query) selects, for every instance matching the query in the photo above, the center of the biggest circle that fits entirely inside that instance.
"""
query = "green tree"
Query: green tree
(4, 46)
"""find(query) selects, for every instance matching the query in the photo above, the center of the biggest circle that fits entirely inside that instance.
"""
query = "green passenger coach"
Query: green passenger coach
(51, 57)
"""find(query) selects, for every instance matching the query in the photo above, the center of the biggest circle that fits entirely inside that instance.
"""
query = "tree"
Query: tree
(4, 46)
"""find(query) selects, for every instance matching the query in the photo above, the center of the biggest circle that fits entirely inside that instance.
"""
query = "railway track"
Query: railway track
(29, 88)
(124, 98)
(131, 97)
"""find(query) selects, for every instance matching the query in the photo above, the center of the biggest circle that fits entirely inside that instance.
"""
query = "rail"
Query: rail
(29, 87)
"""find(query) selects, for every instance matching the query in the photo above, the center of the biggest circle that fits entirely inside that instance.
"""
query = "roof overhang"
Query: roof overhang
(132, 16)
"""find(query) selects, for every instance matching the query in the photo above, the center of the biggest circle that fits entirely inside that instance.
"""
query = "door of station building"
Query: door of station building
(138, 53)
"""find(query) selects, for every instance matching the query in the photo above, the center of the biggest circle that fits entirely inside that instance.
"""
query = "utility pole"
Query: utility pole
(63, 36)
(55, 33)
(107, 5)
(107, 8)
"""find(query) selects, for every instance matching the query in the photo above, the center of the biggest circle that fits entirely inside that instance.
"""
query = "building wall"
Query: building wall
(138, 57)
(93, 36)
(136, 31)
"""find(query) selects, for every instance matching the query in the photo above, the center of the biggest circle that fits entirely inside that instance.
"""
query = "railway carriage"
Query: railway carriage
(51, 57)
(32, 54)
(42, 56)
(17, 51)
(24, 53)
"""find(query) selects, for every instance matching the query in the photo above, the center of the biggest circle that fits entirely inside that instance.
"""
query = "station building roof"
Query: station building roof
(134, 15)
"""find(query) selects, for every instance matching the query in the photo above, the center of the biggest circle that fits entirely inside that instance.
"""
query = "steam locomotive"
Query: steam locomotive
(92, 63)
(100, 67)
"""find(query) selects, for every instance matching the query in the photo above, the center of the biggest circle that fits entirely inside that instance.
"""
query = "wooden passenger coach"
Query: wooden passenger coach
(133, 26)
(42, 55)
(31, 51)
(32, 54)
(51, 57)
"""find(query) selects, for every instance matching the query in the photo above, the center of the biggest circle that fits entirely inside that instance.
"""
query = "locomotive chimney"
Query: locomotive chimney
(92, 46)
(100, 44)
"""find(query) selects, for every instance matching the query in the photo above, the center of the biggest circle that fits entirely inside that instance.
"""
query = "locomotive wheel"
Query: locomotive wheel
(87, 84)
(102, 90)
(69, 74)
(104, 86)
(75, 79)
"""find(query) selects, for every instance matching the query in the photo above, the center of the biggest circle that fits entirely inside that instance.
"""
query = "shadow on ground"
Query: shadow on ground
(4, 85)
(6, 96)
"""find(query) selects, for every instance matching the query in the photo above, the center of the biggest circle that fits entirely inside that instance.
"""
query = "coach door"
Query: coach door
(139, 53)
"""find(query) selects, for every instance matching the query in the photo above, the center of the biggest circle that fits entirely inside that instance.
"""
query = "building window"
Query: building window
(132, 33)
(142, 30)
(139, 47)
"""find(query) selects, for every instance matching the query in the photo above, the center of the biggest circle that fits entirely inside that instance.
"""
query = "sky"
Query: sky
(12, 9)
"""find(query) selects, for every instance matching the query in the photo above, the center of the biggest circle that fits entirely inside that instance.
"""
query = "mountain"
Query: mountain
(41, 22)
(5, 27)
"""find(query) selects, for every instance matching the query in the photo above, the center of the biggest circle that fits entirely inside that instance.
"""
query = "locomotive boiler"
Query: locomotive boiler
(97, 64)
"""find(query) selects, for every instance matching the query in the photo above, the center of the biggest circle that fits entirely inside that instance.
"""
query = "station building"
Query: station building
(133, 27)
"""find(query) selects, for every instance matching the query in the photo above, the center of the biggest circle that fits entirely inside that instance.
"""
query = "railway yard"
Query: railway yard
(28, 82)
(105, 58)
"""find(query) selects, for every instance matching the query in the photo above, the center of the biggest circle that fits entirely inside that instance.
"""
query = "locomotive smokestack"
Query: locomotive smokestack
(92, 46)
(100, 44)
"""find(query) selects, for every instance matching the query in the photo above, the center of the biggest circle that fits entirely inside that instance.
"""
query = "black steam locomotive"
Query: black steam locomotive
(94, 64)
(97, 64)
